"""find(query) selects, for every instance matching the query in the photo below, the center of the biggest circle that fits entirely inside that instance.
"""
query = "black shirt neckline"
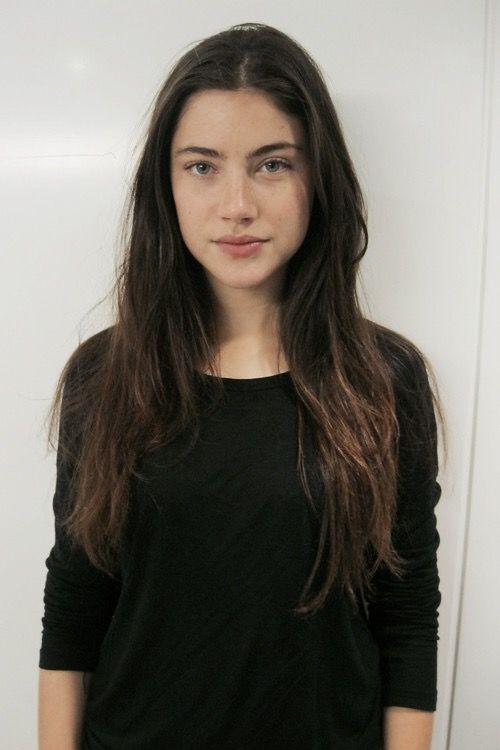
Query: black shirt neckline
(251, 384)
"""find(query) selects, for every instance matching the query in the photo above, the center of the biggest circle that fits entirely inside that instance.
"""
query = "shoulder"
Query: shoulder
(409, 369)
(86, 359)
(415, 401)
(77, 385)
(411, 373)
(407, 363)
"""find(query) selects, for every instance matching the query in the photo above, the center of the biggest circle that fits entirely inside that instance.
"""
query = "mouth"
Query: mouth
(241, 249)
(240, 239)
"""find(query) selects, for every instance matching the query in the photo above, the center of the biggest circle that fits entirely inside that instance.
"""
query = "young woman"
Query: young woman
(245, 550)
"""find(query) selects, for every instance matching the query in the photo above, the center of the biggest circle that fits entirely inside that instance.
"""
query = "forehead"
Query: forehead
(245, 114)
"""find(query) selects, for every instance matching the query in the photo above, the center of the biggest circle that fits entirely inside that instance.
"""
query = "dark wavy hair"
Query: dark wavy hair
(134, 385)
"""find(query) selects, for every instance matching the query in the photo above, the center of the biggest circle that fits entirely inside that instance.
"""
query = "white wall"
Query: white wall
(475, 720)
(413, 89)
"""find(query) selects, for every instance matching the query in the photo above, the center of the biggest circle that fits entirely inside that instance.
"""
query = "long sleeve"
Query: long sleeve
(79, 600)
(404, 613)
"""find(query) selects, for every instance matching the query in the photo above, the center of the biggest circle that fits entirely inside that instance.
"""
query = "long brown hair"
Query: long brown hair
(134, 385)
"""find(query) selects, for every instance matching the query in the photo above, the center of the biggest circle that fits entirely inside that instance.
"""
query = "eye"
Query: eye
(282, 165)
(197, 164)
(282, 162)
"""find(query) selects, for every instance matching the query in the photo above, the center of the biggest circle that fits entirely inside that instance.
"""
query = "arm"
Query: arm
(404, 612)
(79, 602)
(61, 703)
(407, 728)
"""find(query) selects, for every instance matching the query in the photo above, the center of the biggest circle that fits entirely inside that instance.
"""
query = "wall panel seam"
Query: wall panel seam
(486, 132)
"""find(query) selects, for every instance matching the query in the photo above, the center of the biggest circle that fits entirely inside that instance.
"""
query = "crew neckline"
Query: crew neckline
(250, 384)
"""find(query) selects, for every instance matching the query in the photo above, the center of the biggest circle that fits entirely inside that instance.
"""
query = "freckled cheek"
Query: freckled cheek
(193, 203)
(187, 207)
(297, 205)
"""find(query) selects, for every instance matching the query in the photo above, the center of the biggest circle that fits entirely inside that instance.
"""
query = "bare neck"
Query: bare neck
(248, 334)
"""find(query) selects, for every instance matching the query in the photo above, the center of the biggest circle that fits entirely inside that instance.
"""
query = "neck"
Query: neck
(248, 334)
(249, 313)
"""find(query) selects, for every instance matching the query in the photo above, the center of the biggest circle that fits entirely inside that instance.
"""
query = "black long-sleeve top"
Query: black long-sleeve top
(194, 646)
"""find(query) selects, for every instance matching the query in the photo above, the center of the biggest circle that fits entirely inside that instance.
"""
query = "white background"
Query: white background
(416, 85)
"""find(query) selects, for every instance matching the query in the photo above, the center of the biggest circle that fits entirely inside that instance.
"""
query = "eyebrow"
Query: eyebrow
(258, 152)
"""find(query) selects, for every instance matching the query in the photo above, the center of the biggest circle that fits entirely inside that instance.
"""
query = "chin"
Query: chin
(240, 281)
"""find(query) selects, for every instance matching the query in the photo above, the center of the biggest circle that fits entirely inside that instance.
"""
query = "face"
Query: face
(222, 187)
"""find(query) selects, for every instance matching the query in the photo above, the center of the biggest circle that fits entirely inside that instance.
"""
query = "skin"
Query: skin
(407, 728)
(269, 196)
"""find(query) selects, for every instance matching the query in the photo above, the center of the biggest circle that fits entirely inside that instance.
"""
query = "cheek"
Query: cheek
(296, 209)
(191, 206)
(187, 215)
(180, 199)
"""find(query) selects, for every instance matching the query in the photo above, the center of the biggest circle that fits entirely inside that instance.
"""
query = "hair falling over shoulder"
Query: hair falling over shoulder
(133, 386)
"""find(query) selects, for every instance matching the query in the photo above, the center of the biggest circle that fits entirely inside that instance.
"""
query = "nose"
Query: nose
(238, 199)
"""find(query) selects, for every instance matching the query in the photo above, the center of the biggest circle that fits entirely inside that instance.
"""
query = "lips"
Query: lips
(241, 249)
(242, 239)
